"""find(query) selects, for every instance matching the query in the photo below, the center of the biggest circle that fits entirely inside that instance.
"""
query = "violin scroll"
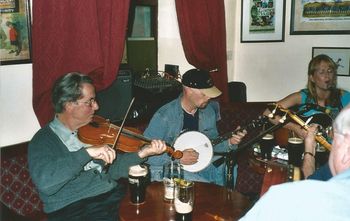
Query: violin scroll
(177, 154)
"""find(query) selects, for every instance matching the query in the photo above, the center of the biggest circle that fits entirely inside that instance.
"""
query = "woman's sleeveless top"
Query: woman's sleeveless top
(332, 111)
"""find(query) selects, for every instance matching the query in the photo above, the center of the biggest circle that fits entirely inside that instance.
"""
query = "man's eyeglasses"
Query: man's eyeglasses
(89, 103)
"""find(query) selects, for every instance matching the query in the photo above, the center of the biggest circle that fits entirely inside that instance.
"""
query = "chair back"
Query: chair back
(237, 91)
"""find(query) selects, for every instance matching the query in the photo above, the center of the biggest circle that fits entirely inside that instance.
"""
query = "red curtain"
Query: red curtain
(203, 36)
(75, 35)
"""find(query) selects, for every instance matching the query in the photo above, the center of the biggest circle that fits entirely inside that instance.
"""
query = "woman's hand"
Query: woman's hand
(300, 132)
(310, 141)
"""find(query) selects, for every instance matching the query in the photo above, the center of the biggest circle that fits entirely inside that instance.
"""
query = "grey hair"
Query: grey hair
(342, 121)
(67, 89)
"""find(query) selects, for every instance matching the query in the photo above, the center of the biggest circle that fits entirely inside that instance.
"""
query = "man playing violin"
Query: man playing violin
(68, 173)
(193, 110)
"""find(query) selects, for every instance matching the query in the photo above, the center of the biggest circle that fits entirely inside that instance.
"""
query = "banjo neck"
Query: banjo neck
(253, 124)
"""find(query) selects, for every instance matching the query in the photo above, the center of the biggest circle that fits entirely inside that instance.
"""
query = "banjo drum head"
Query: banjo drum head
(200, 143)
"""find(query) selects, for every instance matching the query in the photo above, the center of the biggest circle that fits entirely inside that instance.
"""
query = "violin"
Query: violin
(100, 131)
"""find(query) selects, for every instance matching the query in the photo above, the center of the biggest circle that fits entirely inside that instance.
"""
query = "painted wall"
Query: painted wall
(18, 121)
(270, 70)
(276, 69)
(273, 70)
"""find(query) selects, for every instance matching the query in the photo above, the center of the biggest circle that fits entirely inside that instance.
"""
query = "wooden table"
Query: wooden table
(212, 202)
(274, 171)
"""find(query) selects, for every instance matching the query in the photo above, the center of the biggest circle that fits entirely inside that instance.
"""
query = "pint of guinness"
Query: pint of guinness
(266, 145)
(295, 151)
(137, 183)
(184, 200)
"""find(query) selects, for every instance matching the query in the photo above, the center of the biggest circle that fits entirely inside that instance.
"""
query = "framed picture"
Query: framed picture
(341, 56)
(309, 17)
(262, 21)
(15, 32)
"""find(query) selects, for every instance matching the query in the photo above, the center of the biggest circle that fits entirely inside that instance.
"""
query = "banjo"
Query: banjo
(204, 146)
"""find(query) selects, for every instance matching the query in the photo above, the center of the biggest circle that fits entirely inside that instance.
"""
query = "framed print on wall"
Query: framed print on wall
(262, 21)
(15, 37)
(309, 17)
(341, 56)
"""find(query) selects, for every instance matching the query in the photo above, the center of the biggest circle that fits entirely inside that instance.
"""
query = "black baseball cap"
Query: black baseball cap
(200, 79)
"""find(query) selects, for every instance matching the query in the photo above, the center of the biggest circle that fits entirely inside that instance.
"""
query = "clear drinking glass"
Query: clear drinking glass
(184, 200)
(171, 172)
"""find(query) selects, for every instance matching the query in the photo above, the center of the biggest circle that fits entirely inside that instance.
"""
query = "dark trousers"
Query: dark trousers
(103, 207)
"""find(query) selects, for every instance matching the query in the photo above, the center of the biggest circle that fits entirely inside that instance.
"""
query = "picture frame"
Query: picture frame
(262, 21)
(309, 17)
(15, 31)
(340, 55)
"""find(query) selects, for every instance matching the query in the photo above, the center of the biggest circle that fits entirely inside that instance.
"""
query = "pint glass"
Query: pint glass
(184, 200)
(266, 145)
(138, 180)
(171, 171)
(295, 151)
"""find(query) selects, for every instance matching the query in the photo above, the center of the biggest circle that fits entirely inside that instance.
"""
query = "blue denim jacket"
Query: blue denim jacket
(167, 124)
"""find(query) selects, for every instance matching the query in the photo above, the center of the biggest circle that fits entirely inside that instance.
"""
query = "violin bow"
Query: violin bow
(175, 154)
(106, 167)
(123, 122)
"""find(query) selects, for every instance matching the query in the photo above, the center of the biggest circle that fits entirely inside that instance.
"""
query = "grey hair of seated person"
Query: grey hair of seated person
(67, 88)
(342, 121)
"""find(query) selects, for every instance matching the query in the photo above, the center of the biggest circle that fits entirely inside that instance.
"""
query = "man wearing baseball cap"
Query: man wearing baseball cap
(201, 80)
(193, 110)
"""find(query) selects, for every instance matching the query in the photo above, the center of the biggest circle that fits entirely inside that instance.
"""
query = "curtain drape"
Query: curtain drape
(203, 36)
(75, 35)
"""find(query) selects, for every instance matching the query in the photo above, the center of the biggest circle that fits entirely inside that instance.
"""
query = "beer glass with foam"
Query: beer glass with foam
(138, 180)
(295, 150)
(266, 145)
(184, 200)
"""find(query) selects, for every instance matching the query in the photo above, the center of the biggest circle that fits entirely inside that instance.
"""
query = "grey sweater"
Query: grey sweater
(59, 174)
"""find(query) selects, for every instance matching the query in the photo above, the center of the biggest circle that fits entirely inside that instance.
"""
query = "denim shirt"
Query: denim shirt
(167, 124)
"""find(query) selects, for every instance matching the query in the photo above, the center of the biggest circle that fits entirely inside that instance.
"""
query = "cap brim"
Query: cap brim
(211, 92)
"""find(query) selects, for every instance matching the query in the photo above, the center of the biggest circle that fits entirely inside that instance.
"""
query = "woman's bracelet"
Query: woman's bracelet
(306, 153)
